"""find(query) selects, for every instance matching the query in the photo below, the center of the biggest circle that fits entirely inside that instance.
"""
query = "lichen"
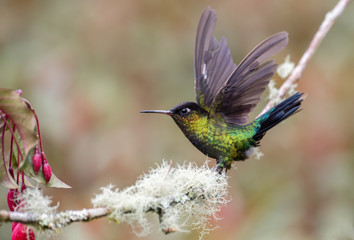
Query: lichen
(273, 92)
(286, 68)
(33, 201)
(185, 195)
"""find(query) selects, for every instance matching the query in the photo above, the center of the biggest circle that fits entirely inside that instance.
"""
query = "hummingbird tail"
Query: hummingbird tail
(277, 114)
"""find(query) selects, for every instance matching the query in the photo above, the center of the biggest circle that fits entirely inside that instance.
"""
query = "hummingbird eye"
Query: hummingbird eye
(185, 110)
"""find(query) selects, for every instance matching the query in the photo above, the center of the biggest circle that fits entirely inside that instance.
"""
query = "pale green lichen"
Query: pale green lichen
(185, 195)
(256, 153)
(33, 201)
(286, 68)
(283, 70)
(273, 92)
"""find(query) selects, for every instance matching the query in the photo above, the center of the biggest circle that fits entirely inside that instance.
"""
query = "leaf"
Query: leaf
(14, 164)
(29, 171)
(5, 178)
(19, 112)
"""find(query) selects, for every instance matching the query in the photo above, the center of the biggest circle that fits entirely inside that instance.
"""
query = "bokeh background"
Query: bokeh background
(89, 67)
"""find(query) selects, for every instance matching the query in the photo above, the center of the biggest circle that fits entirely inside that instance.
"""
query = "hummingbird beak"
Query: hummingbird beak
(168, 112)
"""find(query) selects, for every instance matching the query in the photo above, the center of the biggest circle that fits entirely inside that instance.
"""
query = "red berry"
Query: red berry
(22, 232)
(36, 161)
(12, 199)
(47, 172)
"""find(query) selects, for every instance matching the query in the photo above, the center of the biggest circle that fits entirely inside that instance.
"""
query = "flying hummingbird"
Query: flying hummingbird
(217, 123)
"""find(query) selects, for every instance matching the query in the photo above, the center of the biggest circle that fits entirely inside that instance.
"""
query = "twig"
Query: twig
(320, 34)
(53, 221)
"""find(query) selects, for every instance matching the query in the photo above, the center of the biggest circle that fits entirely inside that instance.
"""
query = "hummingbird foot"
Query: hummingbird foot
(219, 167)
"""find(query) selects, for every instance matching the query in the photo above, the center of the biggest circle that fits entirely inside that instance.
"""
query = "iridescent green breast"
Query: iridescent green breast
(219, 140)
(228, 142)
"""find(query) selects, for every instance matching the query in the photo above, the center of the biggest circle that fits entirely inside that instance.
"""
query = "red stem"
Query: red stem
(12, 141)
(23, 177)
(18, 178)
(2, 142)
(17, 145)
(39, 131)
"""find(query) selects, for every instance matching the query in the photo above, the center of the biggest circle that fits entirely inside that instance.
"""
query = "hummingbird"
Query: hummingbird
(216, 123)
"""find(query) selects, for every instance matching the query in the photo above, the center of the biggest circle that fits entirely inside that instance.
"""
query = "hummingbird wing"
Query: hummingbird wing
(240, 94)
(213, 61)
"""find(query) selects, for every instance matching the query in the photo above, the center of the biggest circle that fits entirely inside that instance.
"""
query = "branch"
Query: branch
(320, 34)
(178, 195)
(53, 221)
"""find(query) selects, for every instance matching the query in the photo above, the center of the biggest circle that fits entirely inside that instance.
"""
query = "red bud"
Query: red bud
(47, 172)
(11, 199)
(14, 224)
(22, 232)
(44, 159)
(11, 171)
(19, 91)
(36, 161)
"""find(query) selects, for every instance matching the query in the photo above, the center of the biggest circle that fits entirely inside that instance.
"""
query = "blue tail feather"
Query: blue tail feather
(277, 114)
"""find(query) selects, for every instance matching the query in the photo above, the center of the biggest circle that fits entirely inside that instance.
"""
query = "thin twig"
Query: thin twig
(320, 34)
(54, 221)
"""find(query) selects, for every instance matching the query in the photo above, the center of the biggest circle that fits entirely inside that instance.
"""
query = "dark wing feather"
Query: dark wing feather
(243, 90)
(213, 61)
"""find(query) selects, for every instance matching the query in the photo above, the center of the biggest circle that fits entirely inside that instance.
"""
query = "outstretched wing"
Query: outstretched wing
(242, 92)
(213, 61)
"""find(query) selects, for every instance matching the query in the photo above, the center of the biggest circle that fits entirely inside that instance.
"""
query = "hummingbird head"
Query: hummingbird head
(183, 114)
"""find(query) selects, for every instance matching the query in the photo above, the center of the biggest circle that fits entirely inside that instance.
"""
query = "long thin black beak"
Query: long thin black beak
(168, 112)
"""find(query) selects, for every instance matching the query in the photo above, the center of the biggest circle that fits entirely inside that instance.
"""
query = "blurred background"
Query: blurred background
(89, 67)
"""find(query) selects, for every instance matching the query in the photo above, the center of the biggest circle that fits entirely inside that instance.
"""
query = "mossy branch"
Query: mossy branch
(53, 221)
(178, 195)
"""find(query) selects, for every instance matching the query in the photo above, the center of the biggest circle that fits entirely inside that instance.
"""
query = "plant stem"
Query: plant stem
(317, 39)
